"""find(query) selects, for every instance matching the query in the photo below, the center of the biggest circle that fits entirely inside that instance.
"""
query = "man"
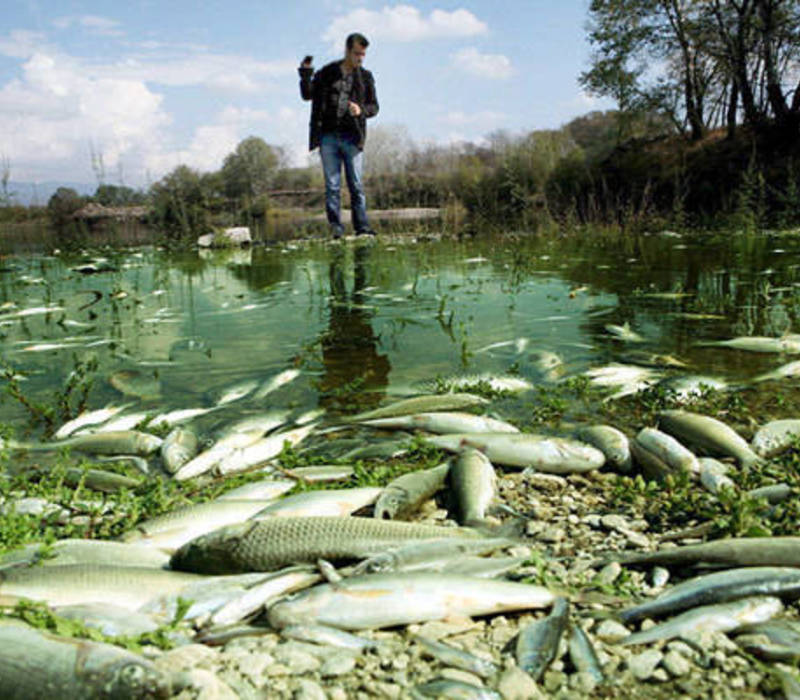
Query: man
(342, 95)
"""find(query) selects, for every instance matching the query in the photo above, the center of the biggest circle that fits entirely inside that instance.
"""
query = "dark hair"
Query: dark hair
(356, 38)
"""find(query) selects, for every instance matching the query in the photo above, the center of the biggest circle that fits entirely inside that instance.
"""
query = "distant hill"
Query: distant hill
(27, 193)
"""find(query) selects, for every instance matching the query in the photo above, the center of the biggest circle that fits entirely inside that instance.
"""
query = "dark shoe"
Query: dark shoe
(367, 232)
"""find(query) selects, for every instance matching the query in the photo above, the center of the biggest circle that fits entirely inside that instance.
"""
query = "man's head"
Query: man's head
(355, 49)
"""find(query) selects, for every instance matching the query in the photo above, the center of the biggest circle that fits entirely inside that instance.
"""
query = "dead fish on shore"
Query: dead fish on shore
(774, 640)
(121, 442)
(388, 600)
(613, 443)
(719, 587)
(37, 664)
(132, 382)
(709, 434)
(543, 453)
(457, 658)
(723, 617)
(732, 551)
(76, 551)
(472, 484)
(537, 643)
(101, 415)
(420, 404)
(776, 436)
(444, 422)
(332, 502)
(269, 544)
(178, 416)
(661, 454)
(178, 448)
(405, 494)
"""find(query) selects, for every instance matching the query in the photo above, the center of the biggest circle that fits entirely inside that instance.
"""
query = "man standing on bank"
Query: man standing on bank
(343, 97)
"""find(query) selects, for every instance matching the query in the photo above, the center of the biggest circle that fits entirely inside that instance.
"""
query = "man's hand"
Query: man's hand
(355, 110)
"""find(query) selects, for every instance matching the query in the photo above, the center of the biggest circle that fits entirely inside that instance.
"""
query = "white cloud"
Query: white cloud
(403, 23)
(215, 71)
(483, 119)
(21, 43)
(483, 65)
(93, 24)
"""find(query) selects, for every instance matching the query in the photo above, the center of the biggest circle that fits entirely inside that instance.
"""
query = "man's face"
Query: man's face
(356, 54)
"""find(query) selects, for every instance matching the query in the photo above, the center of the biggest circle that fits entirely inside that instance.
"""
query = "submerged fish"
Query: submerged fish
(786, 345)
(276, 382)
(624, 333)
(236, 391)
(791, 369)
(268, 544)
(387, 600)
(723, 617)
(131, 382)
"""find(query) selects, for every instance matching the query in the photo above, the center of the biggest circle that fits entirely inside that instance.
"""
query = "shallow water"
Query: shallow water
(363, 320)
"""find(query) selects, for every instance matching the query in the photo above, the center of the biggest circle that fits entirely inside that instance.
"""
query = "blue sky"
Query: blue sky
(146, 86)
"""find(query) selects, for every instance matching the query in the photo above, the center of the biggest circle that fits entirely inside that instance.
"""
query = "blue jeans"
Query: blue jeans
(337, 150)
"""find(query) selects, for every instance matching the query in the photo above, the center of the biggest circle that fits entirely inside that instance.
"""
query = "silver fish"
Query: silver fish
(542, 452)
(537, 643)
(790, 346)
(613, 443)
(276, 382)
(88, 418)
(582, 654)
(328, 636)
(317, 503)
(420, 404)
(473, 485)
(405, 494)
(388, 600)
(719, 587)
(178, 448)
(723, 617)
(450, 656)
(117, 442)
(708, 433)
(444, 422)
(35, 664)
(677, 457)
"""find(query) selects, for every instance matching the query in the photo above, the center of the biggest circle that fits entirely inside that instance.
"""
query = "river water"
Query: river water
(366, 320)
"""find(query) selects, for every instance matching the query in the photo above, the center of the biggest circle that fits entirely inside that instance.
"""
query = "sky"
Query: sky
(123, 93)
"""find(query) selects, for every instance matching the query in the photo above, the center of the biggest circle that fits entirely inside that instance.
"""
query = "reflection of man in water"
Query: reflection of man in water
(353, 367)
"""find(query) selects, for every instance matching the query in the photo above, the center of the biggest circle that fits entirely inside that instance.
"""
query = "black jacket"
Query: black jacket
(317, 87)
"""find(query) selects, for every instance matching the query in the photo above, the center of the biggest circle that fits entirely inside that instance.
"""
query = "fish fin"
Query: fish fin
(513, 529)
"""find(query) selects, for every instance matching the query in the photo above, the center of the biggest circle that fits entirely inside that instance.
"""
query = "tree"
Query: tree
(180, 203)
(250, 170)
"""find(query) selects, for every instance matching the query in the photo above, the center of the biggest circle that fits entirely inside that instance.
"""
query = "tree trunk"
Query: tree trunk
(733, 108)
(777, 100)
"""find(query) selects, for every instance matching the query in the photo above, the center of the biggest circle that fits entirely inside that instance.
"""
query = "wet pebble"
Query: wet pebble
(337, 665)
(611, 631)
(676, 664)
(644, 665)
(515, 684)
(309, 690)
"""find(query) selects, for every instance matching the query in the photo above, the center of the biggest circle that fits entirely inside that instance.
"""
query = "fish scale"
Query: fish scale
(269, 544)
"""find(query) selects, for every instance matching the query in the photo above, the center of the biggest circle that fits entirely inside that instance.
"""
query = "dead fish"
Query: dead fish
(776, 436)
(88, 418)
(405, 494)
(624, 333)
(537, 643)
(613, 443)
(709, 434)
(786, 345)
(132, 382)
(444, 422)
(723, 617)
(473, 485)
(457, 658)
(276, 382)
(420, 404)
(178, 448)
(127, 442)
(265, 545)
(36, 664)
(388, 600)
